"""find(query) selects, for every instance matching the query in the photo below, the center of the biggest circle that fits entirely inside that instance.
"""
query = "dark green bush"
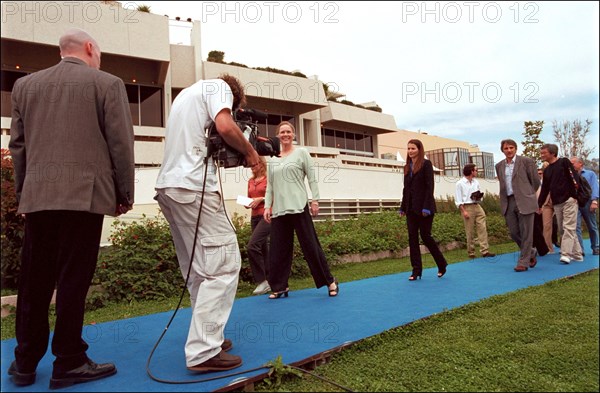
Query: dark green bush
(141, 264)
(12, 225)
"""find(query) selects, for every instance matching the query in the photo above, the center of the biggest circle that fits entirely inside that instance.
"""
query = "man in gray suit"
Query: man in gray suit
(519, 182)
(71, 141)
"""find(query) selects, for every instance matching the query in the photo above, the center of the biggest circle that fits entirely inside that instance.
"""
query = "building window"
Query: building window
(340, 140)
(145, 103)
(485, 164)
(328, 137)
(269, 127)
(348, 142)
(8, 81)
(449, 160)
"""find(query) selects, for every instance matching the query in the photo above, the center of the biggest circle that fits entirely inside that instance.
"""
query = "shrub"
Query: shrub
(216, 56)
(141, 264)
(12, 225)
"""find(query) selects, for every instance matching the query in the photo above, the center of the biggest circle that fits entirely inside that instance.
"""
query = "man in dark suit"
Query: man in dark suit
(72, 148)
(519, 182)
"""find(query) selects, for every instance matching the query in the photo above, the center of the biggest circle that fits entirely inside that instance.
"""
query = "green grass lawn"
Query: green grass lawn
(542, 338)
(539, 339)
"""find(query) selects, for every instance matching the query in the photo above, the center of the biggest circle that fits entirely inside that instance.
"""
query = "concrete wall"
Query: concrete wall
(337, 180)
(118, 30)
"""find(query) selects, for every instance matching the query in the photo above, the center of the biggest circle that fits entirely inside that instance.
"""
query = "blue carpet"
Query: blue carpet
(298, 327)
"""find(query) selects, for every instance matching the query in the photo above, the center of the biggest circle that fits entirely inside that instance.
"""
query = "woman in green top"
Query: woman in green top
(286, 208)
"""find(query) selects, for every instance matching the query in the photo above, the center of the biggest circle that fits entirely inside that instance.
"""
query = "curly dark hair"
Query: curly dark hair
(239, 97)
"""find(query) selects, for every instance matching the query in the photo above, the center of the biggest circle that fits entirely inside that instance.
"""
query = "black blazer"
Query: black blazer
(418, 190)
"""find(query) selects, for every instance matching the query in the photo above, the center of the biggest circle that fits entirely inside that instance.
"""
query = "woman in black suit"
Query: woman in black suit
(418, 204)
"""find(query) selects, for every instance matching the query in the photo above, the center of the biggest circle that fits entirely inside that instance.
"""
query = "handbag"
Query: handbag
(583, 190)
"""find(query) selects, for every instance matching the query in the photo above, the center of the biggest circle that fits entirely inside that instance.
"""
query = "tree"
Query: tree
(216, 56)
(532, 141)
(571, 138)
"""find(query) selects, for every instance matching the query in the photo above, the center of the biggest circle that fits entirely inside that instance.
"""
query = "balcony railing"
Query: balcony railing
(343, 209)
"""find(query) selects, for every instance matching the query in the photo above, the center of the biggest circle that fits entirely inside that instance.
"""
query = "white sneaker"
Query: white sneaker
(262, 288)
(565, 259)
(580, 259)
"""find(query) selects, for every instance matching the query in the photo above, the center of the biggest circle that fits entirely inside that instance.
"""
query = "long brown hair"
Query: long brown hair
(417, 164)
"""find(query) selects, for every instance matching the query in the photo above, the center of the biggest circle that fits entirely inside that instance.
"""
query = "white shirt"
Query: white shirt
(508, 174)
(464, 189)
(192, 112)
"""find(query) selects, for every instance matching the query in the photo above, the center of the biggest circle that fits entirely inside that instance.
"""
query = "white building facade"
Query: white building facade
(344, 140)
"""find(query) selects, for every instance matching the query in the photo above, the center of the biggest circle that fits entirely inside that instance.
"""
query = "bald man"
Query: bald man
(72, 149)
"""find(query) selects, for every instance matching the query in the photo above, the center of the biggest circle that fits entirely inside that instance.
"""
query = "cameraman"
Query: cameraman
(214, 275)
(468, 198)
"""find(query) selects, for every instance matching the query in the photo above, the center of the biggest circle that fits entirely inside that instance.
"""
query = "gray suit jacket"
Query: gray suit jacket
(525, 182)
(71, 140)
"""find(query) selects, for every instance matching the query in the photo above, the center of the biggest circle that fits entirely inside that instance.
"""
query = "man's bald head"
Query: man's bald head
(78, 43)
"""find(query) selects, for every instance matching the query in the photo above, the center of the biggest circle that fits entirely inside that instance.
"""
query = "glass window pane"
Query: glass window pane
(369, 144)
(340, 140)
(151, 106)
(360, 141)
(274, 119)
(329, 138)
(272, 129)
(350, 143)
(134, 105)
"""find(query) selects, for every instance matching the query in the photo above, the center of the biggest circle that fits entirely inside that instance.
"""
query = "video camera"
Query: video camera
(247, 120)
(477, 196)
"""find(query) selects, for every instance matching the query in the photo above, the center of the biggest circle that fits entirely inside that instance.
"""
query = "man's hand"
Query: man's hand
(252, 159)
(122, 209)
(593, 206)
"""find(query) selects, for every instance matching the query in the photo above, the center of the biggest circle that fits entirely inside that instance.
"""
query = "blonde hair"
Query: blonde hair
(286, 123)
(262, 168)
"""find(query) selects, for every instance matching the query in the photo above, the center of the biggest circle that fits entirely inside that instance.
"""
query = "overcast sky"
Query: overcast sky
(471, 71)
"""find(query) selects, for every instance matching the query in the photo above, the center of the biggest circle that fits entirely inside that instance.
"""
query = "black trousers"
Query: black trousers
(416, 224)
(60, 250)
(258, 248)
(282, 249)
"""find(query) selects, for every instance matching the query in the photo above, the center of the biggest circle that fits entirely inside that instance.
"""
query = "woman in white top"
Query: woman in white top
(286, 208)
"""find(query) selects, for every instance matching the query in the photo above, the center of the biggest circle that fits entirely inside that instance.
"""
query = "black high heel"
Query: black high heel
(334, 292)
(414, 277)
(441, 272)
(277, 295)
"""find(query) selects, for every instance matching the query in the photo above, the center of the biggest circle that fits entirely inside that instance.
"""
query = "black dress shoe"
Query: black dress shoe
(89, 371)
(488, 255)
(19, 378)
